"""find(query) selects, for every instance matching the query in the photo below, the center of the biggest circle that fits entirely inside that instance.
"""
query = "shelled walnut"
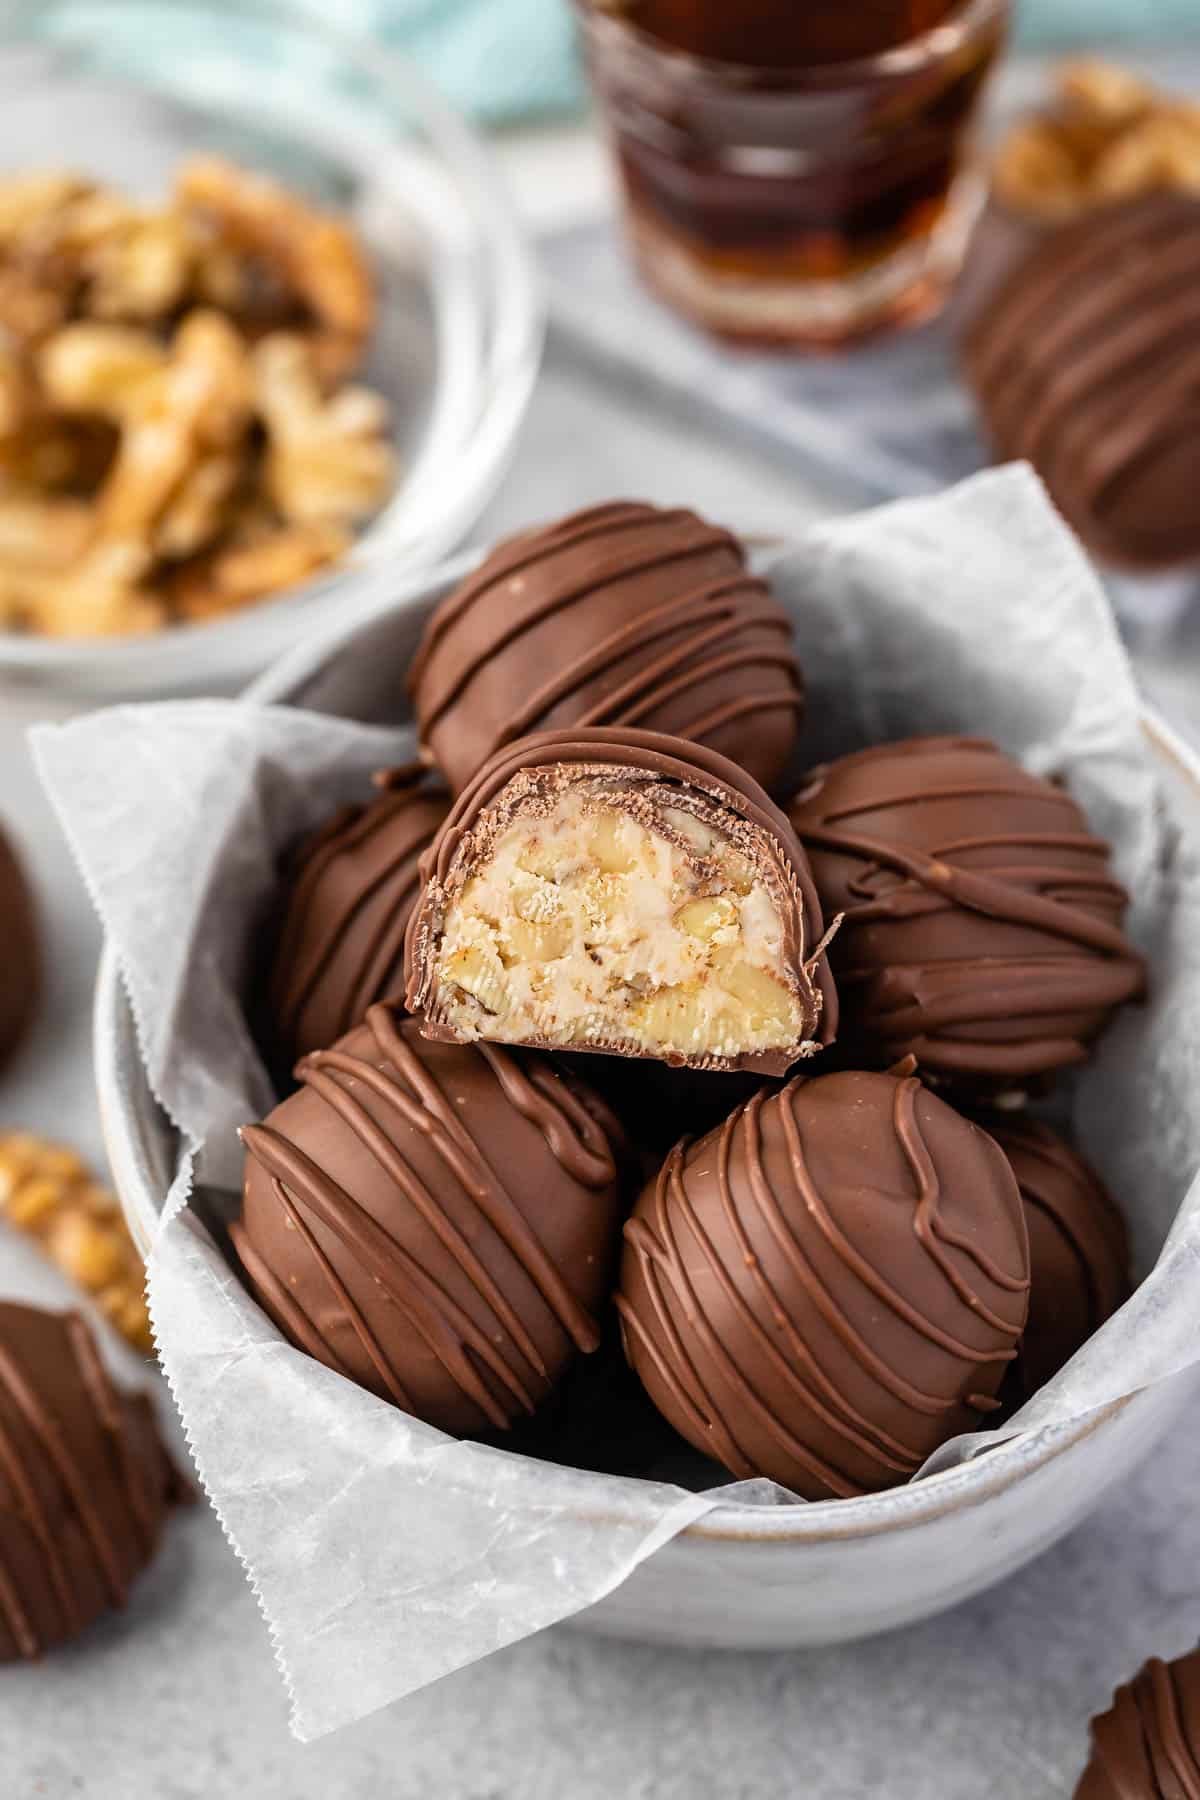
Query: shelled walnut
(1106, 136)
(47, 1191)
(176, 439)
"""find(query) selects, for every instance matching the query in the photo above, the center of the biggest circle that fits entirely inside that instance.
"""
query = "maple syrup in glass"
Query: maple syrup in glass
(796, 172)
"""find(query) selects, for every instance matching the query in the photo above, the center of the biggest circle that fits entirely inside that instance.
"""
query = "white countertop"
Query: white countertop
(179, 1698)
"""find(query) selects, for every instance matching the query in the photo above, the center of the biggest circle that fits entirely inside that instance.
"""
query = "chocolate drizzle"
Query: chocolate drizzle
(1088, 363)
(1147, 1746)
(829, 1285)
(1078, 1248)
(982, 928)
(622, 615)
(340, 946)
(436, 1223)
(85, 1483)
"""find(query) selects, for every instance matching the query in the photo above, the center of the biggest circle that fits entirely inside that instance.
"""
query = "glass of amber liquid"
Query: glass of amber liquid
(799, 173)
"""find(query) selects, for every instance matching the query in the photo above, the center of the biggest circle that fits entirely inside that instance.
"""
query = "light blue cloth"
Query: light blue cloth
(496, 59)
(504, 59)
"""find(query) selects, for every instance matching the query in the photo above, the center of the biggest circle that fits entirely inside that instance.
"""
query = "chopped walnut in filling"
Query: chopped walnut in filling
(614, 919)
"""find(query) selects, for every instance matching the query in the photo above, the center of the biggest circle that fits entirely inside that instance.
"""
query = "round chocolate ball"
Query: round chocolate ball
(85, 1482)
(438, 1222)
(828, 1286)
(339, 946)
(1147, 1745)
(982, 926)
(20, 952)
(1085, 363)
(625, 614)
(1078, 1248)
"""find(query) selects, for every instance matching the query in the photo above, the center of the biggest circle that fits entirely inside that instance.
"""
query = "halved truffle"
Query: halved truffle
(623, 892)
(623, 615)
(829, 1285)
(437, 1222)
(982, 924)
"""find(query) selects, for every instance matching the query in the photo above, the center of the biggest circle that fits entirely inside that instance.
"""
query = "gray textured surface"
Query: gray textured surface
(179, 1698)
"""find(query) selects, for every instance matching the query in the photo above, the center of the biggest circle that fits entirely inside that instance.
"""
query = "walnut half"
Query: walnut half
(47, 1191)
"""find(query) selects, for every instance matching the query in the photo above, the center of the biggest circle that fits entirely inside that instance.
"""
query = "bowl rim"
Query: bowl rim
(508, 371)
(137, 1171)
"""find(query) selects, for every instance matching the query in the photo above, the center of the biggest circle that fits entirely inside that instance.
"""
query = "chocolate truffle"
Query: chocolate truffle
(829, 1285)
(982, 929)
(1087, 363)
(20, 956)
(349, 893)
(1147, 1745)
(626, 892)
(438, 1222)
(622, 615)
(85, 1482)
(1078, 1248)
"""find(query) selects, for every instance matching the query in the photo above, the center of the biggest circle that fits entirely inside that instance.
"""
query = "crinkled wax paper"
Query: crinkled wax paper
(384, 1553)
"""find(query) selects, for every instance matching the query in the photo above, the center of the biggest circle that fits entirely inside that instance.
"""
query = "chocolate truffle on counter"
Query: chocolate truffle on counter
(85, 1482)
(1078, 1248)
(1147, 1745)
(437, 1222)
(1087, 362)
(982, 929)
(20, 954)
(828, 1286)
(350, 890)
(622, 615)
(626, 892)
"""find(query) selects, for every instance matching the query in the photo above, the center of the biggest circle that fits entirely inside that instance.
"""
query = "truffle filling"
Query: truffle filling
(615, 917)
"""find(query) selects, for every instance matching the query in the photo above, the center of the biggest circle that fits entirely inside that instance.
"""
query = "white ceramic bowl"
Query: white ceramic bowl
(742, 1577)
(124, 89)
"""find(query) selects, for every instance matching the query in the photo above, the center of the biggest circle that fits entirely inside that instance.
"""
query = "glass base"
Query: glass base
(898, 291)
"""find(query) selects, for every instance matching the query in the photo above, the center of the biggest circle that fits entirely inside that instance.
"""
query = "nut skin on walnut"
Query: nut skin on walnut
(47, 1191)
(339, 933)
(437, 1222)
(830, 1285)
(176, 435)
(623, 615)
(86, 1483)
(982, 926)
(621, 892)
(1107, 136)
(1147, 1745)
(20, 953)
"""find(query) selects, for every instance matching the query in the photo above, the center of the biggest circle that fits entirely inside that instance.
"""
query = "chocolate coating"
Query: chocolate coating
(829, 1285)
(625, 614)
(769, 845)
(85, 1482)
(982, 930)
(20, 953)
(658, 1103)
(1147, 1745)
(436, 1222)
(350, 890)
(1078, 1248)
(1087, 362)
